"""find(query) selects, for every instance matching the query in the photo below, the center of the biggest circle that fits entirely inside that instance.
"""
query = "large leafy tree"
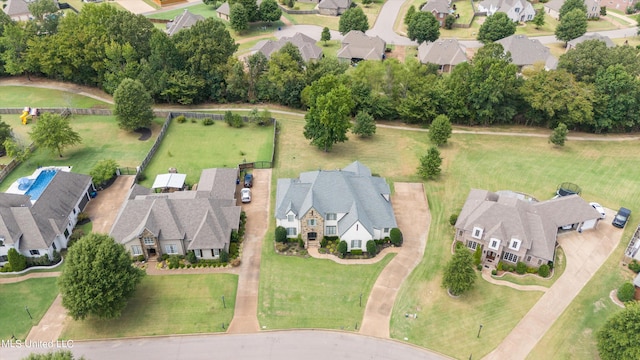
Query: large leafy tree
(14, 41)
(251, 8)
(586, 59)
(430, 163)
(237, 83)
(54, 132)
(459, 275)
(98, 278)
(238, 17)
(570, 5)
(496, 27)
(270, 11)
(163, 60)
(327, 120)
(365, 125)
(619, 338)
(285, 77)
(353, 19)
(538, 19)
(440, 130)
(572, 25)
(423, 27)
(618, 104)
(46, 14)
(132, 105)
(5, 134)
(559, 135)
(257, 65)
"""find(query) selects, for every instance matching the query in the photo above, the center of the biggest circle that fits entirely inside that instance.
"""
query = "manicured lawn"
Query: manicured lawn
(600, 25)
(36, 294)
(101, 139)
(532, 279)
(529, 28)
(244, 47)
(330, 48)
(200, 9)
(171, 304)
(21, 96)
(465, 10)
(372, 10)
(300, 292)
(191, 147)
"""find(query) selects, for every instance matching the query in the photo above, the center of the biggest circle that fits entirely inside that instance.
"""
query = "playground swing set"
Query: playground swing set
(29, 113)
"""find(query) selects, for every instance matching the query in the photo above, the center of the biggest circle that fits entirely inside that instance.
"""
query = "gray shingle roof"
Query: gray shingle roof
(440, 6)
(224, 9)
(534, 223)
(183, 21)
(587, 37)
(17, 8)
(442, 52)
(525, 51)
(306, 45)
(351, 190)
(357, 45)
(334, 4)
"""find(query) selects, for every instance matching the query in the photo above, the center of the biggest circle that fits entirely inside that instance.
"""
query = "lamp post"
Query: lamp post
(223, 303)
(479, 329)
(360, 299)
(27, 310)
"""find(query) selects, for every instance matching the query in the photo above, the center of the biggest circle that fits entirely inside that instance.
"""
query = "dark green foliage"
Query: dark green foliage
(191, 257)
(224, 256)
(396, 237)
(326, 35)
(538, 19)
(634, 266)
(57, 355)
(459, 275)
(291, 3)
(449, 21)
(132, 105)
(39, 261)
(423, 27)
(372, 248)
(603, 10)
(353, 19)
(269, 11)
(5, 134)
(324, 242)
(440, 130)
(238, 17)
(342, 247)
(570, 5)
(54, 132)
(208, 122)
(496, 27)
(174, 261)
(572, 25)
(102, 172)
(410, 12)
(17, 261)
(356, 252)
(364, 126)
(544, 270)
(453, 218)
(180, 119)
(477, 255)
(619, 338)
(559, 135)
(430, 164)
(300, 242)
(281, 234)
(626, 292)
(141, 258)
(521, 267)
(234, 250)
(98, 278)
(235, 236)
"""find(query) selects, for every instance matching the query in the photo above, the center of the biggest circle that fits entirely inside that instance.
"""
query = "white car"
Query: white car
(599, 209)
(245, 195)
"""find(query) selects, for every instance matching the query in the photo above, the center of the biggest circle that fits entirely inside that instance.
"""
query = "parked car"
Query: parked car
(599, 209)
(248, 180)
(621, 217)
(245, 195)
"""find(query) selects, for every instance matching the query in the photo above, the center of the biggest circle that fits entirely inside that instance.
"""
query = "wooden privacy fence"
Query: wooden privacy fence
(6, 170)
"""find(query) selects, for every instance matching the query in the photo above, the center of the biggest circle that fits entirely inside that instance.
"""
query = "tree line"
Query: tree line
(594, 89)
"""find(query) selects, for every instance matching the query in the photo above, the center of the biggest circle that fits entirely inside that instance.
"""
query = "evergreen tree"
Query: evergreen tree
(132, 105)
(459, 275)
(365, 126)
(559, 135)
(440, 130)
(430, 164)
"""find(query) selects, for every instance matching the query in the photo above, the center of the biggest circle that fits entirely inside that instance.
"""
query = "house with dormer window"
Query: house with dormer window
(347, 203)
(516, 10)
(512, 227)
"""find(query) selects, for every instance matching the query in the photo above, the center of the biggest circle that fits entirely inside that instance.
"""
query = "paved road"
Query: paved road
(385, 23)
(413, 217)
(305, 344)
(585, 254)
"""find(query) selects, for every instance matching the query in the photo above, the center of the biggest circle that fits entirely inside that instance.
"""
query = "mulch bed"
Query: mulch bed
(145, 133)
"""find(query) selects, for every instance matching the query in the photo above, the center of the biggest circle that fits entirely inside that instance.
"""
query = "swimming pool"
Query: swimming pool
(41, 183)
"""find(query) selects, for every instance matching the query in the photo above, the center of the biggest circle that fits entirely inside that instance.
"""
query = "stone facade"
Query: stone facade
(156, 246)
(306, 228)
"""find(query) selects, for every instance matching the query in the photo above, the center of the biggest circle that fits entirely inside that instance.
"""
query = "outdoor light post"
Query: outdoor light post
(360, 299)
(480, 329)
(223, 303)
(27, 310)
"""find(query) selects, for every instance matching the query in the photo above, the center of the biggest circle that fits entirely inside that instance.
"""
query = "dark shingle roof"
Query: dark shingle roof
(306, 45)
(357, 45)
(442, 52)
(183, 21)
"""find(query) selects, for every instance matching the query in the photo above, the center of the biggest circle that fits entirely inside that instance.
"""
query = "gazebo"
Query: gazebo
(169, 182)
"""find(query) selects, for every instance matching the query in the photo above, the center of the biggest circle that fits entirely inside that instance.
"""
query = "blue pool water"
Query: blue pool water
(40, 183)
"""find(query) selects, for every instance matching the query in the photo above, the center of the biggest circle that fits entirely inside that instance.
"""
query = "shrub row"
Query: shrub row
(181, 119)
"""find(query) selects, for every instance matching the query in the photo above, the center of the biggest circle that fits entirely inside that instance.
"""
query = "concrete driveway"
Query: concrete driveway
(104, 208)
(585, 254)
(413, 218)
(245, 317)
(385, 23)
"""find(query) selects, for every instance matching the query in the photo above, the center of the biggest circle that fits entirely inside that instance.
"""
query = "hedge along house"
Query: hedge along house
(39, 212)
(510, 227)
(348, 203)
(200, 220)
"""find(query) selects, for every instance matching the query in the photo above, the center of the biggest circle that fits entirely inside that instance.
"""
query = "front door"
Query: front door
(151, 251)
(491, 256)
(312, 236)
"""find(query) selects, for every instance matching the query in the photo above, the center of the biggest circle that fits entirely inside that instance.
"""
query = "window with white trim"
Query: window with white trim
(386, 230)
(472, 244)
(215, 252)
(477, 233)
(331, 216)
(515, 244)
(331, 230)
(291, 231)
(311, 222)
(198, 253)
(148, 240)
(356, 244)
(136, 250)
(34, 252)
(539, 261)
(494, 244)
(171, 249)
(290, 218)
(510, 257)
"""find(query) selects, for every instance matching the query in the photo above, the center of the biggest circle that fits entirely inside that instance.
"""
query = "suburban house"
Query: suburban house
(18, 10)
(224, 11)
(357, 46)
(512, 227)
(446, 53)
(439, 8)
(333, 7)
(40, 212)
(595, 36)
(306, 45)
(516, 10)
(526, 52)
(348, 203)
(174, 223)
(553, 8)
(183, 21)
(621, 5)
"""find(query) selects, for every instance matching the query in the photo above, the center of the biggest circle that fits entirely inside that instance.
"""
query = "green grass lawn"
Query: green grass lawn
(101, 139)
(244, 47)
(200, 9)
(21, 96)
(532, 279)
(170, 304)
(36, 294)
(465, 10)
(191, 147)
(330, 48)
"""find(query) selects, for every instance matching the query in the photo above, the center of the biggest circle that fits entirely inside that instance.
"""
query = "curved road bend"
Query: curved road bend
(272, 345)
